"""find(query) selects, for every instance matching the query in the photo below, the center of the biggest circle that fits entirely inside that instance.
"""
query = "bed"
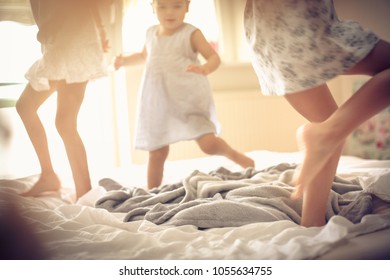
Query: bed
(207, 208)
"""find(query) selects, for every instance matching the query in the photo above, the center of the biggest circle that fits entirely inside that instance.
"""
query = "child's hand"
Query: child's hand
(118, 62)
(103, 40)
(106, 45)
(198, 69)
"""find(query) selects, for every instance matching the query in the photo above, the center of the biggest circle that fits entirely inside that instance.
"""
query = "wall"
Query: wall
(373, 14)
(249, 120)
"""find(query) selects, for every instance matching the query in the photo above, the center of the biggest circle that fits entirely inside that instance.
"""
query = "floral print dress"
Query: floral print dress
(300, 44)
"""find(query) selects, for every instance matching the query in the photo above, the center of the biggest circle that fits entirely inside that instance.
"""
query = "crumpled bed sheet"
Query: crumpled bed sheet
(72, 231)
(229, 199)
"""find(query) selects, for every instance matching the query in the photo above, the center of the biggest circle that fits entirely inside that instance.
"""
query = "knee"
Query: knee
(22, 109)
(385, 76)
(19, 106)
(209, 146)
(209, 149)
(65, 126)
(27, 105)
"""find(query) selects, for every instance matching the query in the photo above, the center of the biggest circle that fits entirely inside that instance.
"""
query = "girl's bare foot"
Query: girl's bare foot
(243, 160)
(46, 183)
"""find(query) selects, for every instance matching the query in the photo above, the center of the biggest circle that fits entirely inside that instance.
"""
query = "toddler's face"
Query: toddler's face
(170, 13)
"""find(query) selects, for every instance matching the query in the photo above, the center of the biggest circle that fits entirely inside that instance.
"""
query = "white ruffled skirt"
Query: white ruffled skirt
(74, 56)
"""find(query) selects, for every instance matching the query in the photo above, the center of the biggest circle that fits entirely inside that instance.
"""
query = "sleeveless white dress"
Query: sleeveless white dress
(71, 47)
(174, 105)
(300, 44)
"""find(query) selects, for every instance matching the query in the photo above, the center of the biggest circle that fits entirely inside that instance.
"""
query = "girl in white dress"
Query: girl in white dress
(176, 102)
(73, 43)
(297, 46)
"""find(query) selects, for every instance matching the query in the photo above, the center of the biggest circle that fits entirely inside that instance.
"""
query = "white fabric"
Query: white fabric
(80, 231)
(174, 105)
(73, 53)
(77, 232)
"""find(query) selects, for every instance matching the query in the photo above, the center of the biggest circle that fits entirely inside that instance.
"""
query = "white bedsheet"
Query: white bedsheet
(71, 230)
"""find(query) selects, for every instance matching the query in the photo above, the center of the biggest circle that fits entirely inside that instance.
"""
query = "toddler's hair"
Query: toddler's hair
(152, 1)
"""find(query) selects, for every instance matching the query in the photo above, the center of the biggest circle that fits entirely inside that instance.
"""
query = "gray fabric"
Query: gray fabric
(229, 199)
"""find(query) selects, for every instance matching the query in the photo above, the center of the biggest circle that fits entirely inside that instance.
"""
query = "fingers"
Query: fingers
(198, 69)
(103, 40)
(105, 45)
(118, 62)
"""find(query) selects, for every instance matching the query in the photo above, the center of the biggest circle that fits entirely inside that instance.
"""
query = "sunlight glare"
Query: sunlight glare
(18, 50)
(139, 17)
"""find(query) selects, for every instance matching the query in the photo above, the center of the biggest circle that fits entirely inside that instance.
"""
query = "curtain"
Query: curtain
(20, 10)
(16, 10)
(129, 3)
(229, 20)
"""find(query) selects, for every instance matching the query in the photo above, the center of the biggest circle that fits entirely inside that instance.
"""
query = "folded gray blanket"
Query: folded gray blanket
(229, 199)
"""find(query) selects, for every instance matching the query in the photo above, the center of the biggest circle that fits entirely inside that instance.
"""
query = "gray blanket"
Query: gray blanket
(229, 199)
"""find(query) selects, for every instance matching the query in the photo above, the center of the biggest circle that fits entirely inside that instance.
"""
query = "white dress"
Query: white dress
(174, 105)
(300, 44)
(71, 48)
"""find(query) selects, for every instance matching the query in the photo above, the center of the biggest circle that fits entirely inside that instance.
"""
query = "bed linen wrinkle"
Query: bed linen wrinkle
(223, 198)
(73, 231)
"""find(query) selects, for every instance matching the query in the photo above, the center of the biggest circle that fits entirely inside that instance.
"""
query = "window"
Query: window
(19, 49)
(139, 16)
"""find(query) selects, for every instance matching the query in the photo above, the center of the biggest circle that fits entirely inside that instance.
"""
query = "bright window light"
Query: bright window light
(19, 48)
(139, 17)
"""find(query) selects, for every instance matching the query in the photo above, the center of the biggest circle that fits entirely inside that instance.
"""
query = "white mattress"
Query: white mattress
(77, 230)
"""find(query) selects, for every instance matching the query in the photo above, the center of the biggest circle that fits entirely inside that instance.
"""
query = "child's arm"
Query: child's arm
(200, 44)
(99, 24)
(132, 59)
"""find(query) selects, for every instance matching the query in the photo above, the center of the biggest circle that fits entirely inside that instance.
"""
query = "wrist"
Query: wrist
(206, 69)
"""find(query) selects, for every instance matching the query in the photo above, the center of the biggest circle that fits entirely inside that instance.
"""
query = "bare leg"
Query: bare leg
(316, 105)
(70, 98)
(156, 166)
(213, 145)
(27, 107)
(322, 141)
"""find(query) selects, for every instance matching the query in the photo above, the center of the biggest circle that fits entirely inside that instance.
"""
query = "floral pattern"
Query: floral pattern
(371, 140)
(300, 44)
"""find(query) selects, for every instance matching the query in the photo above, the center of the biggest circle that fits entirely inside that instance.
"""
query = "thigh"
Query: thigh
(206, 140)
(315, 104)
(70, 97)
(375, 62)
(34, 99)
